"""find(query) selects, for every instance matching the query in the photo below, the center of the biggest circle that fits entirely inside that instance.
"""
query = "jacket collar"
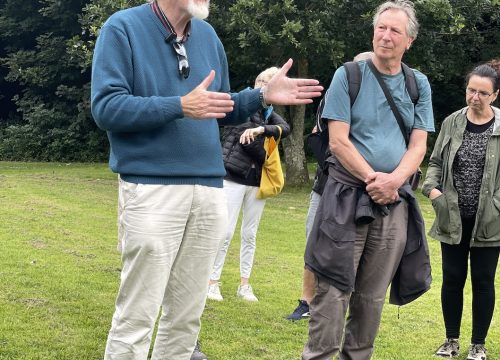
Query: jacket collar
(496, 111)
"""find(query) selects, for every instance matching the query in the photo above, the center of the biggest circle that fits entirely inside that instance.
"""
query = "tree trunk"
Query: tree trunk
(293, 145)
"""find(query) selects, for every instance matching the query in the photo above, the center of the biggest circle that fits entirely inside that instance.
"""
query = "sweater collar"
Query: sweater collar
(168, 25)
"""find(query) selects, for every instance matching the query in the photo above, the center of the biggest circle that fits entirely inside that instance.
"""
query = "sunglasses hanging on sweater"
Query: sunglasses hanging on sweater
(177, 44)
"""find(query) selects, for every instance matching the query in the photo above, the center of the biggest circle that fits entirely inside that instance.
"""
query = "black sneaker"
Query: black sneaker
(301, 312)
(197, 354)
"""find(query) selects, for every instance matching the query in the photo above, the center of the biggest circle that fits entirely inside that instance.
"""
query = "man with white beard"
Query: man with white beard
(160, 88)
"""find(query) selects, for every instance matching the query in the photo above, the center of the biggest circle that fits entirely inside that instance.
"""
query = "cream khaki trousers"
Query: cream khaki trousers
(169, 236)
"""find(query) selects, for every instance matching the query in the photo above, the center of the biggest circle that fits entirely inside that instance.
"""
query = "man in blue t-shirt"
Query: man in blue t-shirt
(160, 88)
(354, 260)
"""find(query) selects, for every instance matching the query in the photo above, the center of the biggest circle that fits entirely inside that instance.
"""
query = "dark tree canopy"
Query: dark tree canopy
(46, 52)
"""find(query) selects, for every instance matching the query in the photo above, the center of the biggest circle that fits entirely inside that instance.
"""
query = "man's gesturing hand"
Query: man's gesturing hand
(282, 90)
(203, 104)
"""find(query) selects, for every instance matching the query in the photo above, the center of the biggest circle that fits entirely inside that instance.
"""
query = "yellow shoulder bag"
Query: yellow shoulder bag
(271, 180)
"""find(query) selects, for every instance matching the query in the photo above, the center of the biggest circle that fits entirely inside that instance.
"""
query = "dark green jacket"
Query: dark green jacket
(447, 226)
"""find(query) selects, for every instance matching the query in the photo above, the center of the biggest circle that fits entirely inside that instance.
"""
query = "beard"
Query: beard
(198, 10)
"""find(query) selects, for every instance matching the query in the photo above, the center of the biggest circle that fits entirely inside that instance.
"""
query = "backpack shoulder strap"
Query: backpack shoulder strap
(320, 123)
(411, 83)
(353, 74)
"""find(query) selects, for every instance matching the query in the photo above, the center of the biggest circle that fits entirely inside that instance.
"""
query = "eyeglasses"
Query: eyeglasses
(480, 94)
(182, 59)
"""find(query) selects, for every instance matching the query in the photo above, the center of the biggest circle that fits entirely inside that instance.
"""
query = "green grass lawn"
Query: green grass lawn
(59, 274)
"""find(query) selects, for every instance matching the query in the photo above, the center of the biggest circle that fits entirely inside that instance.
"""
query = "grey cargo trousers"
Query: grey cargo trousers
(377, 252)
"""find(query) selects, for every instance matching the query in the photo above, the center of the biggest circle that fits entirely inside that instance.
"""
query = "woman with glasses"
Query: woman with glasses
(463, 183)
(244, 154)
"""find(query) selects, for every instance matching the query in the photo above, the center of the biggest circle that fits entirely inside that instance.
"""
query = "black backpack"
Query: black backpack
(318, 141)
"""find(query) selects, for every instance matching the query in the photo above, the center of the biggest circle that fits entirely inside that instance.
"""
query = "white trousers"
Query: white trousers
(169, 235)
(239, 196)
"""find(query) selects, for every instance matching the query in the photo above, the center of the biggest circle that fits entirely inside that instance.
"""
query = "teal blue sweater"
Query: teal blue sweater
(136, 90)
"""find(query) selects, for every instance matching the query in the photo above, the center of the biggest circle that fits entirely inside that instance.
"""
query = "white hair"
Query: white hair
(267, 74)
(363, 56)
(198, 10)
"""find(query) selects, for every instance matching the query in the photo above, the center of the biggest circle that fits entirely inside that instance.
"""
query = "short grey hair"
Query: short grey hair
(407, 7)
(363, 56)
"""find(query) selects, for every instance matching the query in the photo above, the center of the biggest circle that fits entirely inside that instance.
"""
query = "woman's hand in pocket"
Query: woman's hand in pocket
(434, 194)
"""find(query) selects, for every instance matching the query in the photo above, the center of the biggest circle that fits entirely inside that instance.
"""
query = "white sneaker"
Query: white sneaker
(246, 293)
(449, 349)
(214, 292)
(477, 352)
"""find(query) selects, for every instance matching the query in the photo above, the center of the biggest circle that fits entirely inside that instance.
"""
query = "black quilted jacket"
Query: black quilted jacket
(238, 158)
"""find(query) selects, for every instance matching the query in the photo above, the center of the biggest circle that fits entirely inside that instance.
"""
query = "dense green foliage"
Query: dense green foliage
(51, 101)
(321, 35)
(46, 51)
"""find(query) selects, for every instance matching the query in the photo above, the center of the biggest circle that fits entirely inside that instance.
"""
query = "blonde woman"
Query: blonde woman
(244, 154)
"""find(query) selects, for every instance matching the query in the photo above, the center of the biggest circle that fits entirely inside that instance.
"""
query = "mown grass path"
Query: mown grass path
(59, 273)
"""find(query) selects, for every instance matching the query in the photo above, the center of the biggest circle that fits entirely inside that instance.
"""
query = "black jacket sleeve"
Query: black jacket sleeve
(271, 128)
(256, 150)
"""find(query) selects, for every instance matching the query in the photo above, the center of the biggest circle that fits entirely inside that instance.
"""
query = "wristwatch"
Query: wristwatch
(262, 97)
